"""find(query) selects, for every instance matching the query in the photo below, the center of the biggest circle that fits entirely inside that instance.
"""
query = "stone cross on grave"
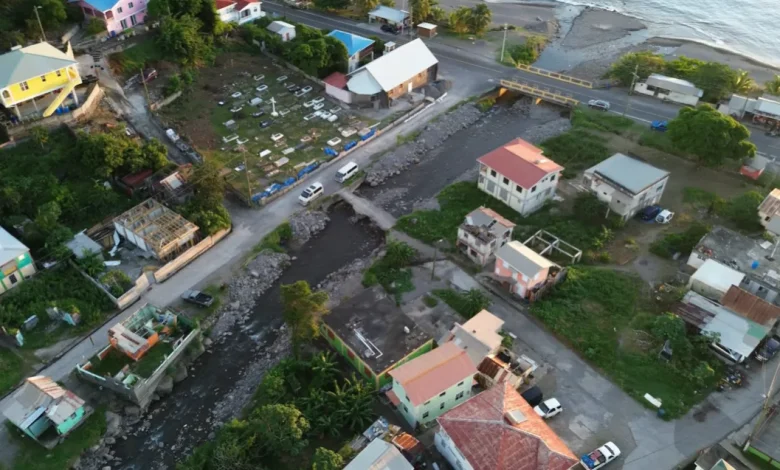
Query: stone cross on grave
(273, 106)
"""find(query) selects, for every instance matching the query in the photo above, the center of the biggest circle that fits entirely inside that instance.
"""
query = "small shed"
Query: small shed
(426, 30)
(390, 46)
(714, 280)
(285, 30)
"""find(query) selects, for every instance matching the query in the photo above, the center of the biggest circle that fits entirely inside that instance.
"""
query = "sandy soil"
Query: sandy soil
(595, 26)
(761, 73)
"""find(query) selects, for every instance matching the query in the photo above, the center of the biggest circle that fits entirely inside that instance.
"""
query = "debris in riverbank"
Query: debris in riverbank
(306, 224)
(432, 136)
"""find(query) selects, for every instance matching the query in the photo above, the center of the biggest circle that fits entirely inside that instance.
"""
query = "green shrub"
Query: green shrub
(276, 240)
(95, 26)
(606, 122)
(391, 271)
(467, 304)
(117, 282)
(576, 150)
(486, 104)
(683, 243)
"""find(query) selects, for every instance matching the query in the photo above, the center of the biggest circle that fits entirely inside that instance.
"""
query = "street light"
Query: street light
(43, 33)
(435, 255)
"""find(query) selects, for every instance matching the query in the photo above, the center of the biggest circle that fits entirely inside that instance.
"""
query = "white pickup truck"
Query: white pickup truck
(600, 457)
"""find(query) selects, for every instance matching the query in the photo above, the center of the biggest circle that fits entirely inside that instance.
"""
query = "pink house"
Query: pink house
(522, 269)
(118, 15)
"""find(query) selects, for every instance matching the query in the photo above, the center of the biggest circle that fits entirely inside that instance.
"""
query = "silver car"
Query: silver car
(601, 105)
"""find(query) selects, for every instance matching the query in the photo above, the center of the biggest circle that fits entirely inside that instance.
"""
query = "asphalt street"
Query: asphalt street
(640, 108)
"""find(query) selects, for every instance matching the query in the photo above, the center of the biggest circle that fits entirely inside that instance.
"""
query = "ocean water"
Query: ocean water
(747, 27)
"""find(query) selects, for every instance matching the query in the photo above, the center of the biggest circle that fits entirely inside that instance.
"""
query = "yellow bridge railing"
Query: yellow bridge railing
(556, 76)
(546, 95)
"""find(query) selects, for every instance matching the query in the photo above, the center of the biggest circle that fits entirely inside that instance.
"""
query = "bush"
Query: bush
(527, 53)
(606, 122)
(430, 302)
(117, 282)
(95, 26)
(276, 240)
(682, 243)
(486, 104)
(576, 150)
(391, 271)
(466, 304)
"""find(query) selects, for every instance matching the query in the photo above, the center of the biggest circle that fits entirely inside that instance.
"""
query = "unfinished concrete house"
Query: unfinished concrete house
(156, 229)
(140, 351)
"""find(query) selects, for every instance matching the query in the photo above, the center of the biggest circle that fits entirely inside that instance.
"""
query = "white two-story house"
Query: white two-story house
(627, 185)
(482, 233)
(519, 175)
(239, 11)
(431, 384)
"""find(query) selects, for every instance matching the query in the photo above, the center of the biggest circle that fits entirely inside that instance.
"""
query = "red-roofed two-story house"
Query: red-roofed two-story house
(519, 175)
(498, 430)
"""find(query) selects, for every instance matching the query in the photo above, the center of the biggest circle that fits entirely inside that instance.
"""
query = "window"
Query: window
(24, 86)
(130, 5)
(406, 396)
(493, 173)
(461, 384)
(441, 407)
(519, 189)
(6, 94)
(442, 394)
(119, 10)
(13, 279)
(350, 354)
(766, 219)
(406, 409)
(425, 415)
(506, 180)
(459, 396)
(552, 178)
(59, 73)
(533, 190)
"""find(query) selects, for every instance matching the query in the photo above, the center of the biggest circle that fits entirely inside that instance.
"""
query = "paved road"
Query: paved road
(640, 108)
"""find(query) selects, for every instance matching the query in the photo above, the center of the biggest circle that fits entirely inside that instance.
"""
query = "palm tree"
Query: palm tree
(742, 83)
(773, 86)
(323, 367)
(459, 20)
(302, 309)
(480, 18)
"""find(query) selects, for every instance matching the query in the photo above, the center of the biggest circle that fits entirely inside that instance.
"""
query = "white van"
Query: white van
(346, 172)
(311, 193)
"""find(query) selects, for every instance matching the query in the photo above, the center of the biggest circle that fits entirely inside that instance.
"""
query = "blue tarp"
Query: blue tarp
(350, 145)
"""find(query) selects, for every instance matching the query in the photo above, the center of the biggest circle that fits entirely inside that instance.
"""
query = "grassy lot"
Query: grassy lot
(32, 456)
(112, 363)
(199, 117)
(129, 62)
(467, 304)
(597, 312)
(392, 270)
(12, 369)
(152, 360)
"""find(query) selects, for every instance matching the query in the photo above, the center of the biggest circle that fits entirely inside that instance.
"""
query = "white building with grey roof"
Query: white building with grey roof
(670, 89)
(626, 184)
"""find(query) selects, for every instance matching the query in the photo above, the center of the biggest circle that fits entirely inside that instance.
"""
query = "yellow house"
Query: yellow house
(29, 73)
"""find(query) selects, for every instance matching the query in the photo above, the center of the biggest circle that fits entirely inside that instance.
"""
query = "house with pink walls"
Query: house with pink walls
(118, 15)
(522, 269)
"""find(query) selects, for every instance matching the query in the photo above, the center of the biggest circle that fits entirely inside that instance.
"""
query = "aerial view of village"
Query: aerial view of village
(389, 235)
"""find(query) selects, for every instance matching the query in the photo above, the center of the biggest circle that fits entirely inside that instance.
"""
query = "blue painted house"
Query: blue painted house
(44, 411)
(358, 47)
(16, 264)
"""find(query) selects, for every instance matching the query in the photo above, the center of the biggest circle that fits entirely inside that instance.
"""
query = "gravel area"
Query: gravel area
(306, 224)
(542, 132)
(432, 136)
(258, 276)
(347, 281)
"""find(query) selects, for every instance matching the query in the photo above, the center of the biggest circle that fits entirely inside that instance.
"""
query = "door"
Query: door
(132, 20)
(123, 24)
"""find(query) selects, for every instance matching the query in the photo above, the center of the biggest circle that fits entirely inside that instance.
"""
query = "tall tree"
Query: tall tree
(715, 80)
(710, 136)
(459, 20)
(480, 19)
(302, 310)
(643, 62)
(180, 37)
(365, 6)
(280, 429)
(40, 135)
(743, 83)
(421, 10)
(325, 459)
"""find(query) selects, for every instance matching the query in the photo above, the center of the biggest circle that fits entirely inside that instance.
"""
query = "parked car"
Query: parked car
(659, 126)
(601, 456)
(317, 107)
(306, 89)
(649, 213)
(601, 105)
(282, 78)
(309, 117)
(533, 395)
(548, 408)
(265, 124)
(325, 115)
(318, 100)
(769, 349)
(198, 298)
(311, 193)
(664, 217)
(390, 29)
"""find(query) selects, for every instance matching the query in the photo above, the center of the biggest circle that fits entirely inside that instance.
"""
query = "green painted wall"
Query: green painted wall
(38, 427)
(69, 423)
(384, 378)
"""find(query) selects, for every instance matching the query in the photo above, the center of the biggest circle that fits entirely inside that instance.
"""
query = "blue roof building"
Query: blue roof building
(357, 47)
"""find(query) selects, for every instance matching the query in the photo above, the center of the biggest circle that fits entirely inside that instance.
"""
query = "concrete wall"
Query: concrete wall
(345, 96)
(126, 299)
(185, 258)
(524, 283)
(621, 203)
(69, 34)
(165, 101)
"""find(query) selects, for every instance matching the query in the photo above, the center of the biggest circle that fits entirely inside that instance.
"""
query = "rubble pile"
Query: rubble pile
(346, 281)
(434, 134)
(306, 224)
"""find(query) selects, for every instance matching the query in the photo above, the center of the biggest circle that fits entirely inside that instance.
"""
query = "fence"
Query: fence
(185, 258)
(130, 296)
(547, 95)
(165, 101)
(556, 76)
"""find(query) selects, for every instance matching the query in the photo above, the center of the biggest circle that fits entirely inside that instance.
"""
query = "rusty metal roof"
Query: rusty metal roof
(750, 306)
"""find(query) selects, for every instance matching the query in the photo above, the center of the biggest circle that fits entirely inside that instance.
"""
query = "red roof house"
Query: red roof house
(498, 430)
(520, 175)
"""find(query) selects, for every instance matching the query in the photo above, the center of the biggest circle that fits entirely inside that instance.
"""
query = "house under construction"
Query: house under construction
(156, 229)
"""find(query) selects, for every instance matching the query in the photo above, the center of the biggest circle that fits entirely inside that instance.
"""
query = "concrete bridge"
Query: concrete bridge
(363, 206)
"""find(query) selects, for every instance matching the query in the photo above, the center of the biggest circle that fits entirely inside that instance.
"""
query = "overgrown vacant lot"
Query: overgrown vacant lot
(603, 315)
(199, 117)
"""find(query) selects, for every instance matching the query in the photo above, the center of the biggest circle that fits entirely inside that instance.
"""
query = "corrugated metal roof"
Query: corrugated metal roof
(10, 247)
(426, 376)
(674, 84)
(400, 65)
(771, 203)
(717, 276)
(521, 162)
(278, 26)
(631, 174)
(379, 455)
(389, 14)
(31, 62)
(523, 259)
(750, 306)
(64, 408)
(353, 42)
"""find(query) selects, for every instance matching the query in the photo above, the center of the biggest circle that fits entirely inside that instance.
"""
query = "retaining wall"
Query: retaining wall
(87, 108)
(170, 268)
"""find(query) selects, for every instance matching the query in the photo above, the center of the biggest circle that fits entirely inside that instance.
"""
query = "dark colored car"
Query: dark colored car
(265, 124)
(533, 396)
(648, 213)
(390, 29)
(198, 298)
(659, 126)
(769, 350)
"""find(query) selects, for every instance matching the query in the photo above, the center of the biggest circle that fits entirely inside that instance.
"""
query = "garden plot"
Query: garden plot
(265, 124)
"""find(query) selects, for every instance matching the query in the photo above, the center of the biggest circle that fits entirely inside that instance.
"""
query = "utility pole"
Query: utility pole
(146, 90)
(503, 44)
(43, 33)
(435, 255)
(635, 75)
(764, 409)
(248, 184)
